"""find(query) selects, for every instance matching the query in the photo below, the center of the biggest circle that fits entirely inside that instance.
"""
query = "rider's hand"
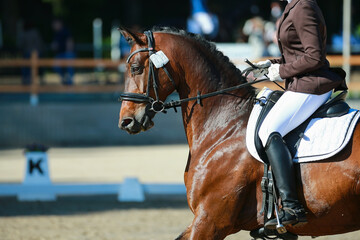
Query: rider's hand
(263, 64)
(259, 72)
(274, 74)
(262, 68)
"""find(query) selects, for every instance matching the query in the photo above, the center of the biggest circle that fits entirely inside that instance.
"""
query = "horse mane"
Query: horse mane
(210, 47)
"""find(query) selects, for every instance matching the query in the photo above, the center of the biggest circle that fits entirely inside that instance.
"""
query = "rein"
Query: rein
(156, 104)
(198, 98)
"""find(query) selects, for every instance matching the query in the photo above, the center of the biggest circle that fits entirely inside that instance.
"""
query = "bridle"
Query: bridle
(156, 104)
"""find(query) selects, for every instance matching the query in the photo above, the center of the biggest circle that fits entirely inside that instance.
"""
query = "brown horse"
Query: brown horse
(221, 177)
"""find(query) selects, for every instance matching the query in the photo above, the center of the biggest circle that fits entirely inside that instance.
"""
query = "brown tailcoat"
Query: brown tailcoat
(302, 42)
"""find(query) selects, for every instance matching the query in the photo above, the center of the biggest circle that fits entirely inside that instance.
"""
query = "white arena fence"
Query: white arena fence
(37, 185)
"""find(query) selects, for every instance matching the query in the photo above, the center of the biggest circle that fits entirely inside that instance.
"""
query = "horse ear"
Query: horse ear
(131, 37)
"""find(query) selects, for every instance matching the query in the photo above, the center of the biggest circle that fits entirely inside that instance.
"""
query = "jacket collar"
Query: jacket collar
(290, 5)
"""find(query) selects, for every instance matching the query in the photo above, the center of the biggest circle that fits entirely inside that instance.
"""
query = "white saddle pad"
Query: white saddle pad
(323, 137)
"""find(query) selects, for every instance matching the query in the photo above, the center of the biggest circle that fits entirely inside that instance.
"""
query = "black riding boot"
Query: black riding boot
(282, 168)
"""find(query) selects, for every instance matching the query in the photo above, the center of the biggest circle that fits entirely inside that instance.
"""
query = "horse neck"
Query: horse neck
(216, 116)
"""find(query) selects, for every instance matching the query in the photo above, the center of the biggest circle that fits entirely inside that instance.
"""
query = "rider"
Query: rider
(309, 82)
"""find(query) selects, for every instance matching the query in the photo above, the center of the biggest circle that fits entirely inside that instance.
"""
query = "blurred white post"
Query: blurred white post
(115, 44)
(37, 176)
(97, 37)
(131, 191)
(346, 38)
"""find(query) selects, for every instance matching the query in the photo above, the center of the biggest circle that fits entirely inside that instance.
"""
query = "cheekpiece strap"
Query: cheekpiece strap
(151, 41)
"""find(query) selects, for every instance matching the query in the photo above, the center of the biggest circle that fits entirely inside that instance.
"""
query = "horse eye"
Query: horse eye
(136, 69)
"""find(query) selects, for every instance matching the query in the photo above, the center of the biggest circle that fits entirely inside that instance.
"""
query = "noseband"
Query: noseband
(156, 104)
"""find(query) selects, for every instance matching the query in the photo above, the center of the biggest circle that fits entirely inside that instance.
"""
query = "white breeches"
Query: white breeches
(292, 109)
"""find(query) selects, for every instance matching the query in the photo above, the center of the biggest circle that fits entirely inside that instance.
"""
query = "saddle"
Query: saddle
(335, 107)
(321, 136)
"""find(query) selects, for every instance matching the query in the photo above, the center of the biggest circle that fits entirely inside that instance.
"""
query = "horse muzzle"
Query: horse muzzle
(137, 123)
(132, 126)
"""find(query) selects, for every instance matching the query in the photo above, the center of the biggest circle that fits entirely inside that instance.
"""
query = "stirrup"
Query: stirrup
(267, 234)
(299, 214)
(288, 217)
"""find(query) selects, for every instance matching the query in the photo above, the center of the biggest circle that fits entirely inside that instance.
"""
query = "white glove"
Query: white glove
(262, 68)
(274, 74)
(263, 64)
(259, 72)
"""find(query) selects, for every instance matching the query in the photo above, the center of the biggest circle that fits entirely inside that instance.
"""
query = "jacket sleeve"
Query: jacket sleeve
(276, 60)
(308, 23)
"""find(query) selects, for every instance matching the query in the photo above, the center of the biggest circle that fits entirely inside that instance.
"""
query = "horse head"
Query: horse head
(146, 86)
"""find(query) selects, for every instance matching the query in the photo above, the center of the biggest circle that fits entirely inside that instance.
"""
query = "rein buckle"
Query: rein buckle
(157, 106)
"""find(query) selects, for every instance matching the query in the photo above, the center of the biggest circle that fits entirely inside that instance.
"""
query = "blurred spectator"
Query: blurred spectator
(63, 47)
(201, 21)
(262, 34)
(29, 40)
(276, 11)
(270, 40)
(254, 29)
(270, 28)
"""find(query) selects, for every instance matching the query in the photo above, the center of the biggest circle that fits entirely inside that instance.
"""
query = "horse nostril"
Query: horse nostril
(126, 122)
